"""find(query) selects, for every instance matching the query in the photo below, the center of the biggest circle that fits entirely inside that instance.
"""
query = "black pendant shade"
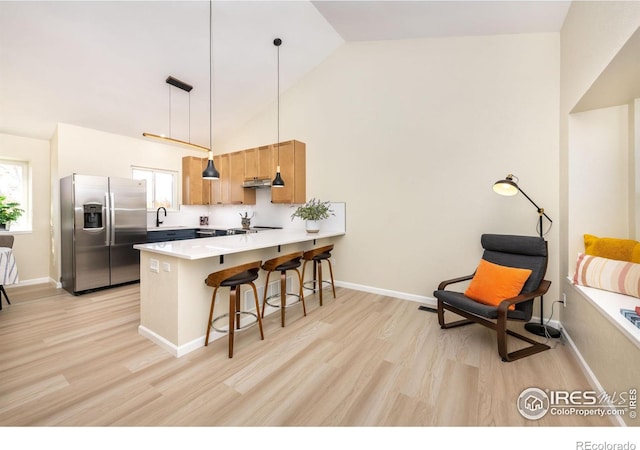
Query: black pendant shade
(210, 172)
(277, 181)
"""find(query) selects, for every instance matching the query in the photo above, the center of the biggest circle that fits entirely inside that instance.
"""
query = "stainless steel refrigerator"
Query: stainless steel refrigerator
(101, 219)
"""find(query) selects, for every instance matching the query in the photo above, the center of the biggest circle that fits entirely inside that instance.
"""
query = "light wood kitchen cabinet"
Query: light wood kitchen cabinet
(238, 194)
(293, 172)
(228, 190)
(195, 190)
(259, 163)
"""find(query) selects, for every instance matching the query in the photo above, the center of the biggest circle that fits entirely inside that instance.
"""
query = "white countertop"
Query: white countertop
(225, 245)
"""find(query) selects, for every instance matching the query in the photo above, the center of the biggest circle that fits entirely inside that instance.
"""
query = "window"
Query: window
(15, 185)
(162, 188)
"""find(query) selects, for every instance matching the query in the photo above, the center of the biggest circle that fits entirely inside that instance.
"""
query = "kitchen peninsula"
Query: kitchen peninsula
(175, 301)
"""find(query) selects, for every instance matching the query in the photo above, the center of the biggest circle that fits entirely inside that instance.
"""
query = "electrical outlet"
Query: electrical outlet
(154, 265)
(564, 299)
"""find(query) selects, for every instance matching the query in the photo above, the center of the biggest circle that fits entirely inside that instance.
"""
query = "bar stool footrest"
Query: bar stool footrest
(238, 313)
(287, 305)
(313, 284)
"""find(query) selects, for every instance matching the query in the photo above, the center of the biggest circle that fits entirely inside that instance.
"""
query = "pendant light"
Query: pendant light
(278, 182)
(187, 88)
(210, 173)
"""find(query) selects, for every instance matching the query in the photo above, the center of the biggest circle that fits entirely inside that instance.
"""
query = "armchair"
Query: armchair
(505, 251)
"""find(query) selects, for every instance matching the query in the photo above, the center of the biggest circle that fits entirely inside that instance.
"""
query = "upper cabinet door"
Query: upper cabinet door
(195, 190)
(238, 194)
(258, 163)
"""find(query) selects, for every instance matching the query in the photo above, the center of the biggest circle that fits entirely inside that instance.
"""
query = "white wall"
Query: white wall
(411, 135)
(592, 34)
(31, 248)
(598, 162)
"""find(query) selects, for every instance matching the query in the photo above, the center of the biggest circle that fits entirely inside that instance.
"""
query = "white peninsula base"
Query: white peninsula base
(175, 301)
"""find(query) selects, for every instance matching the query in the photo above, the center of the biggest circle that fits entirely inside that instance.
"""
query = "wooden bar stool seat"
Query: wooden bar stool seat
(283, 264)
(316, 256)
(234, 278)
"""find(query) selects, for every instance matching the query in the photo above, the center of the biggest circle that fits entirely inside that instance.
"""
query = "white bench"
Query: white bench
(609, 304)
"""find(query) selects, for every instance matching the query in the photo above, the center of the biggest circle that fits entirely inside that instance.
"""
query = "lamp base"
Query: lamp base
(542, 330)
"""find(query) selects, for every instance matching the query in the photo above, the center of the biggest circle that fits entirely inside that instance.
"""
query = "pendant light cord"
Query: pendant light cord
(210, 79)
(278, 46)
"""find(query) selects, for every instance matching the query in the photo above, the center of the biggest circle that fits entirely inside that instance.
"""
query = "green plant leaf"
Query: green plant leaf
(313, 210)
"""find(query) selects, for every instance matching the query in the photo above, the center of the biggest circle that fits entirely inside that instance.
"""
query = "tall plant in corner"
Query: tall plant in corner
(9, 212)
(313, 211)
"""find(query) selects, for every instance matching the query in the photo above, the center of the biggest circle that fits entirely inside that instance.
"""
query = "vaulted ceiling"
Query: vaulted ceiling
(103, 65)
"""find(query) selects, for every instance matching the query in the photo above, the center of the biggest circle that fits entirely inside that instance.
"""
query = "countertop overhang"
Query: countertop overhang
(225, 245)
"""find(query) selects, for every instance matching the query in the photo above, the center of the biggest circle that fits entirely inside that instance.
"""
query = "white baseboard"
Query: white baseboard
(176, 350)
(591, 377)
(429, 301)
(44, 280)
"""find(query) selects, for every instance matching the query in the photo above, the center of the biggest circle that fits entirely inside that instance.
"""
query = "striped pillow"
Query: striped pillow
(609, 274)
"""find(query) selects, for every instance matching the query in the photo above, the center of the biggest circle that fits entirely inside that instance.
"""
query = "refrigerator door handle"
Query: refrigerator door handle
(106, 213)
(112, 219)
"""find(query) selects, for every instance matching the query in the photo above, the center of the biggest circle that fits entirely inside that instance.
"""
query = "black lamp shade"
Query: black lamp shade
(210, 173)
(277, 181)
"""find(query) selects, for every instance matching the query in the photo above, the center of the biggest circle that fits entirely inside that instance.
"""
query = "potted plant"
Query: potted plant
(9, 212)
(313, 211)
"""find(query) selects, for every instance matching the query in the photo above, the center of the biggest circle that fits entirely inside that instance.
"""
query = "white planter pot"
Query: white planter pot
(313, 226)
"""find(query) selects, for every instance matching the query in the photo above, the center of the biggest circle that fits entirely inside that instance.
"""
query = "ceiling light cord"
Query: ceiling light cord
(168, 139)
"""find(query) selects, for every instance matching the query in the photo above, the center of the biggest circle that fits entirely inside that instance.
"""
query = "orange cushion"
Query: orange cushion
(493, 283)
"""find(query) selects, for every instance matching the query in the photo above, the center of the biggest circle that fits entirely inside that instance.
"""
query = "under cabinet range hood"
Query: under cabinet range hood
(257, 183)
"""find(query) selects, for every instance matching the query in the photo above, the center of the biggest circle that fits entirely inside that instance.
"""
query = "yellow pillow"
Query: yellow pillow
(493, 283)
(612, 248)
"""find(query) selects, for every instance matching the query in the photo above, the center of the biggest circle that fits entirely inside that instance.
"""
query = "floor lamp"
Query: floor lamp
(510, 187)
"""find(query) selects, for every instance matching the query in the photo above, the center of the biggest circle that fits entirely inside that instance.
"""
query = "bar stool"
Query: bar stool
(233, 278)
(282, 264)
(317, 255)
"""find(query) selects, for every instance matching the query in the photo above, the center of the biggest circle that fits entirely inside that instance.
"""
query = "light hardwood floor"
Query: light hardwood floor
(359, 360)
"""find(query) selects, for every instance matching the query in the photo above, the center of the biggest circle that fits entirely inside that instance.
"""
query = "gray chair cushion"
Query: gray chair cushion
(459, 300)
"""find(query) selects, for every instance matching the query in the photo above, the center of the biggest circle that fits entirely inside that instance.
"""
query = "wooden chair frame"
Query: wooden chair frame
(500, 323)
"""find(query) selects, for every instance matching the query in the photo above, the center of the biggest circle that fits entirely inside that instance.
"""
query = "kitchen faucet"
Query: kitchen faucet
(158, 221)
